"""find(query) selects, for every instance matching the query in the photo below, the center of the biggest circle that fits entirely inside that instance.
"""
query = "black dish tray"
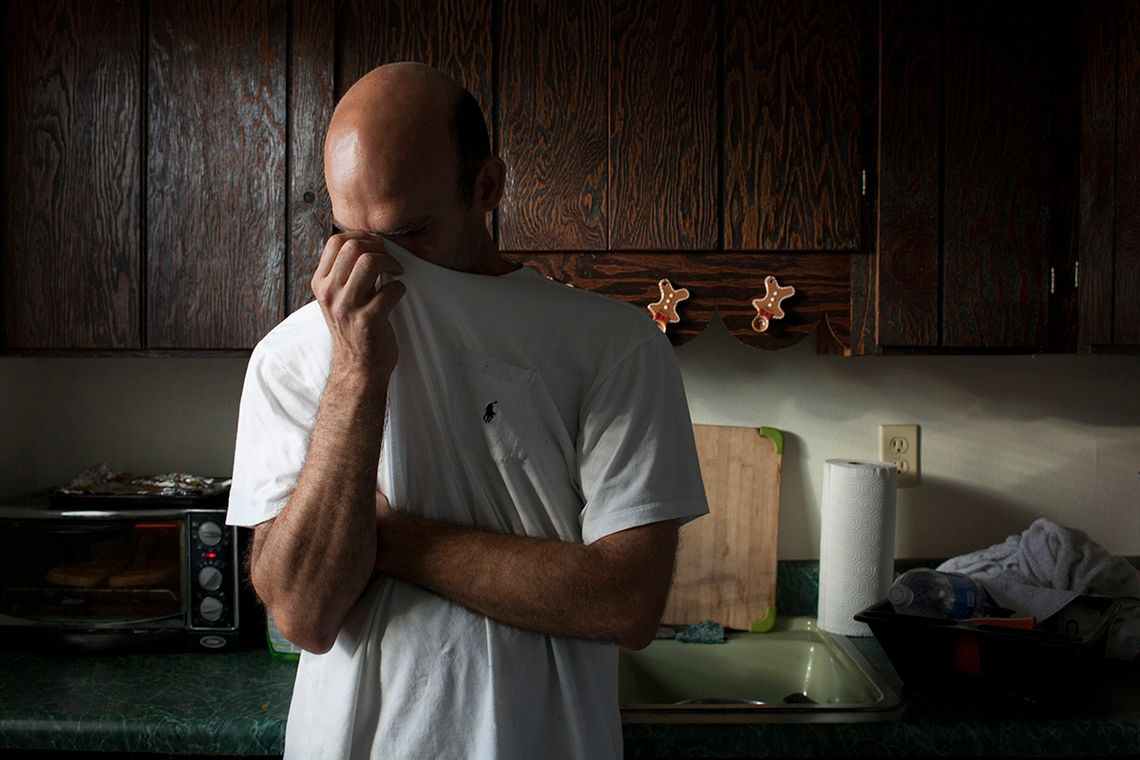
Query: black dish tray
(1051, 664)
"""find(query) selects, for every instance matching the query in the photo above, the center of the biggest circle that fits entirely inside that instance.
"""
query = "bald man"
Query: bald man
(465, 480)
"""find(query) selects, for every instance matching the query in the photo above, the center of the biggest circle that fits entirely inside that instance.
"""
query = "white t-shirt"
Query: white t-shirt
(518, 405)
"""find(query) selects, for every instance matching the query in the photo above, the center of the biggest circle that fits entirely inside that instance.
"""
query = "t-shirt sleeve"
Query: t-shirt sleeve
(637, 458)
(275, 418)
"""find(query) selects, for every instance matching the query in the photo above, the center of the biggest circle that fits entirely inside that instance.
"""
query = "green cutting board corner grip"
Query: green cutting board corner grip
(726, 560)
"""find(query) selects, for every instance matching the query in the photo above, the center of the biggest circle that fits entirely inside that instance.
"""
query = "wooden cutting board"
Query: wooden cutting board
(726, 560)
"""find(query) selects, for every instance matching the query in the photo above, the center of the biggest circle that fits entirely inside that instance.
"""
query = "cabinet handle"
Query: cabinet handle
(768, 307)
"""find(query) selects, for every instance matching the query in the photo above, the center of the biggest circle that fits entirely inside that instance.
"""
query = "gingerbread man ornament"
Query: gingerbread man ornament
(665, 310)
(768, 307)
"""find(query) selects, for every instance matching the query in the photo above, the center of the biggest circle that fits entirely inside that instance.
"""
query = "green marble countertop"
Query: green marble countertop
(233, 703)
(237, 704)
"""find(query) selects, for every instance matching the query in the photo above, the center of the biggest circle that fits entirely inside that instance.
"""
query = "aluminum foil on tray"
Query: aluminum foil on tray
(101, 480)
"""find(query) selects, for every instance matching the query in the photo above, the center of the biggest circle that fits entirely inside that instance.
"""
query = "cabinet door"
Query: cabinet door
(1109, 237)
(608, 126)
(215, 172)
(663, 126)
(553, 129)
(312, 97)
(72, 179)
(792, 91)
(1126, 319)
(997, 170)
(910, 182)
(973, 179)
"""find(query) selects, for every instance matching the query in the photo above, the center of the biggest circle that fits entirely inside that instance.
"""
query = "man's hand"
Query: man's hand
(355, 310)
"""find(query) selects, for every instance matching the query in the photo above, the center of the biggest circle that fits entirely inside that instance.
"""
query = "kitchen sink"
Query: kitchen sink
(794, 669)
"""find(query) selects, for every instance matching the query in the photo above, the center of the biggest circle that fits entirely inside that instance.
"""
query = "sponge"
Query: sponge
(704, 632)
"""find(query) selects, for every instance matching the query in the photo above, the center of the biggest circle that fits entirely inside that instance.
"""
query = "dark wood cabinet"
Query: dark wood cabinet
(553, 126)
(929, 175)
(662, 137)
(72, 175)
(977, 173)
(215, 172)
(712, 144)
(792, 160)
(144, 174)
(1109, 235)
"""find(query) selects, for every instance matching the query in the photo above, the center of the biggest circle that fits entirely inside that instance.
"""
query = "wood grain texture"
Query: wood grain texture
(662, 140)
(72, 179)
(1100, 45)
(455, 36)
(311, 104)
(909, 183)
(865, 264)
(726, 560)
(216, 173)
(1126, 316)
(723, 284)
(996, 191)
(792, 144)
(1063, 31)
(553, 125)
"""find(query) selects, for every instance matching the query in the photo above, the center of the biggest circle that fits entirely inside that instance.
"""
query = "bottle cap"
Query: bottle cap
(900, 595)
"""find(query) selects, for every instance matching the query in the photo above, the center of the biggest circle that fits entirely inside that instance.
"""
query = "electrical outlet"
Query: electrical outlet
(899, 444)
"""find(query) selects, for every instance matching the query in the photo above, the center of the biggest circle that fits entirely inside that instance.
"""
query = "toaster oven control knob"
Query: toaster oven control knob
(210, 608)
(210, 578)
(210, 533)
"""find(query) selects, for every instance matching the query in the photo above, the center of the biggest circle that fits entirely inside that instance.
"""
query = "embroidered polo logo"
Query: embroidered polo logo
(489, 412)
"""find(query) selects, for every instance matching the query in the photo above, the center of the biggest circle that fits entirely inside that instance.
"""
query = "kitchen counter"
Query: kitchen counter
(201, 703)
(237, 704)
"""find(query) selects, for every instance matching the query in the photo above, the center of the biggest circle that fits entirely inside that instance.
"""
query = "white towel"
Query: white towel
(1044, 568)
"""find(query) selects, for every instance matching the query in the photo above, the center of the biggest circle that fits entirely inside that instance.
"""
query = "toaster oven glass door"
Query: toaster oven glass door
(84, 574)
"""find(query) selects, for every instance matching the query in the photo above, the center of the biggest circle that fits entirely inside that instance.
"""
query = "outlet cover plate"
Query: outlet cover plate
(899, 444)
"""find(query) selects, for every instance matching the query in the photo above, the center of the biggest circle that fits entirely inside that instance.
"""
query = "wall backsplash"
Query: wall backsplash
(1005, 439)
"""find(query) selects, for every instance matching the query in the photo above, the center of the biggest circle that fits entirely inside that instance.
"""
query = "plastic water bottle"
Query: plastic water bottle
(935, 594)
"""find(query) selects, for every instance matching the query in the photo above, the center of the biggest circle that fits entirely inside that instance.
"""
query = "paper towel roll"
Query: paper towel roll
(857, 542)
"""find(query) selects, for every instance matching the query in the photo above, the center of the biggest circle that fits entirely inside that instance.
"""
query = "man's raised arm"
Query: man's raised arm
(311, 563)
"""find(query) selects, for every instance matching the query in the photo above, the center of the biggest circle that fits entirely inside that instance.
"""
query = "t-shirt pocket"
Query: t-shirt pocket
(492, 408)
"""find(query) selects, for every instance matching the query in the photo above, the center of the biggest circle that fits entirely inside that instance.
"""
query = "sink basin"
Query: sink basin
(794, 668)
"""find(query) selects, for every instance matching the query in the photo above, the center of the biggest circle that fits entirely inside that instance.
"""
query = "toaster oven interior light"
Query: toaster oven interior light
(156, 526)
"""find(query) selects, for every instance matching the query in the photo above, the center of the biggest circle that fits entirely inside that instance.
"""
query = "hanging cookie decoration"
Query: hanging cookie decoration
(768, 307)
(665, 310)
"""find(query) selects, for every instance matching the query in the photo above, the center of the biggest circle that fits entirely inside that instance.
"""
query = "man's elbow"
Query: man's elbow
(300, 627)
(304, 631)
(639, 628)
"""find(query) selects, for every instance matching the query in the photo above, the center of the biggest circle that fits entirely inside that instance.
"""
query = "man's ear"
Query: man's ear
(489, 183)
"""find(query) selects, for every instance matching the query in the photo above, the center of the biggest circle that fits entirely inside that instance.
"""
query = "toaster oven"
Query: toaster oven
(142, 574)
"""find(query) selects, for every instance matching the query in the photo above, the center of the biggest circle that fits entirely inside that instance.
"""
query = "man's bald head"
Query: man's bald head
(398, 118)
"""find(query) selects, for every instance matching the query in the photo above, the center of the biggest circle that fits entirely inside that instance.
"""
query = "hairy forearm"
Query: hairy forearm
(604, 591)
(317, 559)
